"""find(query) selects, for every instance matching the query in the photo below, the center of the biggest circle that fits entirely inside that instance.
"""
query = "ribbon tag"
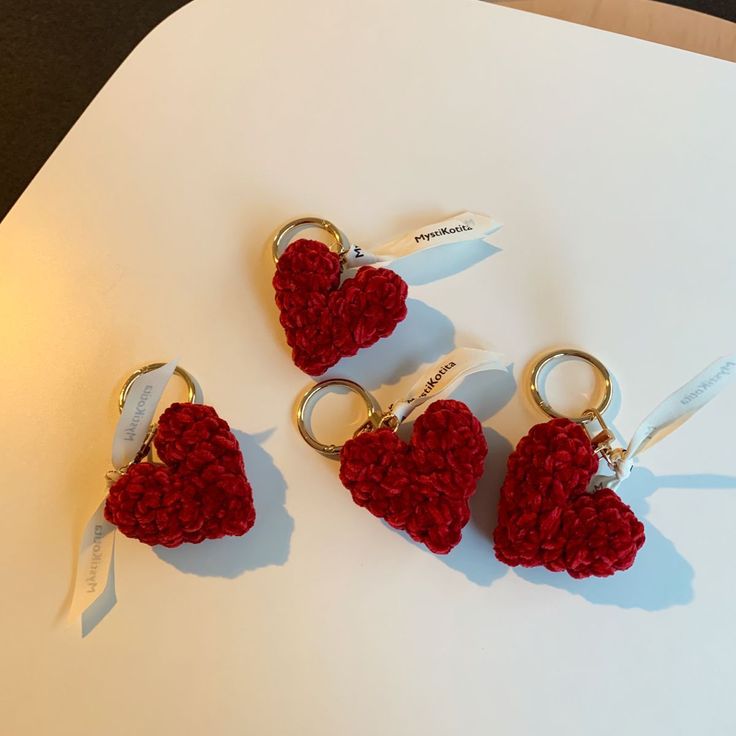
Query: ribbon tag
(97, 550)
(670, 414)
(94, 564)
(467, 227)
(446, 374)
(137, 414)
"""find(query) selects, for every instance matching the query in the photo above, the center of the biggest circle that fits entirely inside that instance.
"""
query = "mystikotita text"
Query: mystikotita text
(708, 383)
(129, 433)
(432, 382)
(426, 237)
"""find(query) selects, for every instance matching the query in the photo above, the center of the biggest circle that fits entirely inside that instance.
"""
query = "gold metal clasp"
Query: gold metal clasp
(342, 247)
(146, 450)
(536, 388)
(603, 441)
(376, 418)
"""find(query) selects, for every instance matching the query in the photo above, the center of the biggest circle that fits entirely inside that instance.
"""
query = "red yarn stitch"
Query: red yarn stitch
(422, 487)
(325, 321)
(547, 517)
(201, 492)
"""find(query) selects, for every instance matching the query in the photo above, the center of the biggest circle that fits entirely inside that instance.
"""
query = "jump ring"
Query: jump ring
(282, 235)
(545, 360)
(374, 412)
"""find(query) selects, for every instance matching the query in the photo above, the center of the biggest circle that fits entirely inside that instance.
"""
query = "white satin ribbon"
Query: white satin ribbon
(444, 375)
(670, 414)
(97, 548)
(466, 227)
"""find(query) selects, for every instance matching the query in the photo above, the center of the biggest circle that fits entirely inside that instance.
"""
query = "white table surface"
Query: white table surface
(611, 162)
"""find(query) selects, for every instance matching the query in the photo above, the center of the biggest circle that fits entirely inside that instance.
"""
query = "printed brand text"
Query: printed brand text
(441, 231)
(708, 383)
(432, 382)
(91, 578)
(129, 433)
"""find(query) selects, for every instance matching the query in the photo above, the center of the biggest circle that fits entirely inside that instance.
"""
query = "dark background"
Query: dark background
(55, 55)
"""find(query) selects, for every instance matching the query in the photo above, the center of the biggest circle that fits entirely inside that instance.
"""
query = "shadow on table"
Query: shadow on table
(267, 543)
(427, 266)
(426, 334)
(423, 337)
(660, 576)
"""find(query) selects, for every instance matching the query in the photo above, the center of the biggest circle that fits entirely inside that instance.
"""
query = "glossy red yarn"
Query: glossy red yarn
(422, 487)
(324, 320)
(546, 515)
(201, 492)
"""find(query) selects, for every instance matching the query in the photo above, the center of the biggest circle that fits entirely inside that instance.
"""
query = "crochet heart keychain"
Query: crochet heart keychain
(335, 300)
(423, 486)
(556, 510)
(197, 491)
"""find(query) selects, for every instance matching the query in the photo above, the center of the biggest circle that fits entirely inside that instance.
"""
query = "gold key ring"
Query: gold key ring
(545, 360)
(192, 389)
(282, 235)
(373, 419)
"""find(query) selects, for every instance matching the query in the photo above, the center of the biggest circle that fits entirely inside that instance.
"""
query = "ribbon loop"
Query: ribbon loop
(674, 411)
(466, 227)
(445, 374)
(97, 549)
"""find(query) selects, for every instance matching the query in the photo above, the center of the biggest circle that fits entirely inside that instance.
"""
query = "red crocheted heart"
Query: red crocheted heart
(201, 491)
(546, 516)
(422, 487)
(324, 320)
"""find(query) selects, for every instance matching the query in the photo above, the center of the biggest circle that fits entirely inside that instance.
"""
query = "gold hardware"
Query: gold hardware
(376, 419)
(146, 449)
(603, 441)
(545, 360)
(281, 236)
